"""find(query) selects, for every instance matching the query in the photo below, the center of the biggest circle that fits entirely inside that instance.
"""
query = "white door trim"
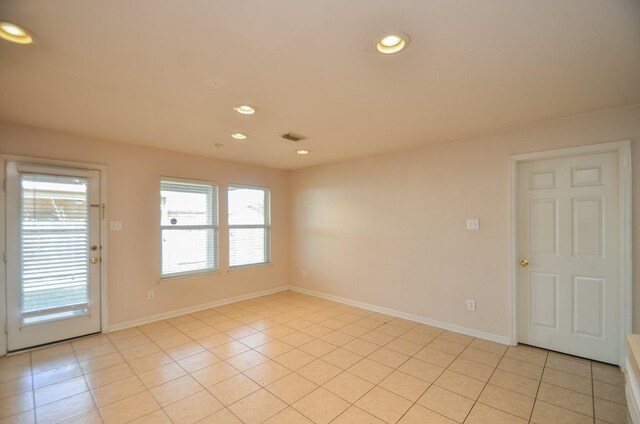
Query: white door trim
(104, 317)
(623, 148)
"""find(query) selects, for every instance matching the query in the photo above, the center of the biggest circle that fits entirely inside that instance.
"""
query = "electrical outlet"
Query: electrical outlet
(471, 305)
(151, 294)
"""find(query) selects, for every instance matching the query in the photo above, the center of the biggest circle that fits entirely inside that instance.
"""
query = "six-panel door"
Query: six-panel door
(568, 230)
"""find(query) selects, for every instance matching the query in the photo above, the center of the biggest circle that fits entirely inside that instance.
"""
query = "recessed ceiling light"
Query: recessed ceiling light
(245, 109)
(303, 152)
(392, 43)
(14, 33)
(239, 136)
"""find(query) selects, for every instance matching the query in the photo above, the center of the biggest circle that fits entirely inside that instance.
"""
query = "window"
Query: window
(249, 226)
(189, 225)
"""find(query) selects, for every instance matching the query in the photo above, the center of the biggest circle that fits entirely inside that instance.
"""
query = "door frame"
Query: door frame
(623, 148)
(102, 169)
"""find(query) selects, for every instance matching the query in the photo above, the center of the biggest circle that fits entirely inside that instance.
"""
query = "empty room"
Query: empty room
(314, 212)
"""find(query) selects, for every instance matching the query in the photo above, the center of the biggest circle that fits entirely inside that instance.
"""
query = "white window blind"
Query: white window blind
(189, 226)
(249, 226)
(54, 246)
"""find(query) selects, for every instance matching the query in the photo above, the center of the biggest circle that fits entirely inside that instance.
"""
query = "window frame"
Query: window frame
(266, 226)
(215, 226)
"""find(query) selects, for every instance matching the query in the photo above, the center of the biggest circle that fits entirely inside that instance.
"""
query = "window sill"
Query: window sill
(188, 277)
(248, 267)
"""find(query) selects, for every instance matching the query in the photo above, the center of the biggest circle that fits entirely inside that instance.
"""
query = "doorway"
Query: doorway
(53, 255)
(572, 263)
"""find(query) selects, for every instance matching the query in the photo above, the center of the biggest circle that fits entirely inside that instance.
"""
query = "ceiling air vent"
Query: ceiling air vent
(293, 137)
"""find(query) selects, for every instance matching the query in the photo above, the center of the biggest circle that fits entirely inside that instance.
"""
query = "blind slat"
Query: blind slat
(249, 233)
(188, 227)
(54, 230)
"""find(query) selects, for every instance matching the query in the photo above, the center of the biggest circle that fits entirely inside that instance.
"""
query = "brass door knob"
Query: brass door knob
(94, 260)
(524, 263)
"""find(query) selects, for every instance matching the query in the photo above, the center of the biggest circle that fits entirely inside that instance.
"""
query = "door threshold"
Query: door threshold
(46, 345)
(570, 356)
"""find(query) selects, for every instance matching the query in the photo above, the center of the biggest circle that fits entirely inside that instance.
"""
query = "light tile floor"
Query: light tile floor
(292, 358)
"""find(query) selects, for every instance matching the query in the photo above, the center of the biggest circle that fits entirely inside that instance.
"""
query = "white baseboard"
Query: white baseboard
(632, 392)
(417, 318)
(196, 308)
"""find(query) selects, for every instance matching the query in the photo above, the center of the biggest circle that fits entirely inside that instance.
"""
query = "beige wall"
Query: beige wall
(133, 198)
(389, 230)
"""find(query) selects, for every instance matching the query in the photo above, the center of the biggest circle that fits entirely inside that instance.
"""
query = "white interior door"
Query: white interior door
(568, 232)
(53, 254)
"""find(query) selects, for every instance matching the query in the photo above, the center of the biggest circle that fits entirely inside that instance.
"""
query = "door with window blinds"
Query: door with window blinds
(53, 254)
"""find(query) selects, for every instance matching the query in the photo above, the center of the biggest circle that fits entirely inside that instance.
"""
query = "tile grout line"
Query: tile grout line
(593, 393)
(342, 371)
(486, 383)
(346, 370)
(224, 407)
(84, 377)
(377, 384)
(335, 314)
(33, 388)
(135, 374)
(316, 358)
(296, 372)
(239, 372)
(187, 373)
(76, 362)
(535, 399)
(434, 381)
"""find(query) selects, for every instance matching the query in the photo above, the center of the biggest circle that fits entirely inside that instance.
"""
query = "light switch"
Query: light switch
(115, 225)
(473, 224)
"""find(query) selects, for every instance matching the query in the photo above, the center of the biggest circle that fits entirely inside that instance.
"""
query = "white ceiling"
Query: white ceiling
(166, 73)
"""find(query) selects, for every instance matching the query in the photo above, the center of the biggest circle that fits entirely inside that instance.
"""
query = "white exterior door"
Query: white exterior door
(53, 254)
(568, 232)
